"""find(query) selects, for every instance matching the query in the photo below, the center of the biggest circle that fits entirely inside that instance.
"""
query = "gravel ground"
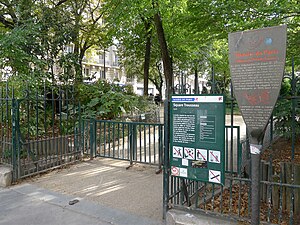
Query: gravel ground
(137, 190)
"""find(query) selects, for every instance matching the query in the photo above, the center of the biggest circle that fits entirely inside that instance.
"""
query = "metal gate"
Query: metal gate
(131, 141)
(280, 177)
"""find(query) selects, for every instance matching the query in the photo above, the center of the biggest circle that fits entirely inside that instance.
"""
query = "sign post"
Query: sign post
(257, 59)
(198, 137)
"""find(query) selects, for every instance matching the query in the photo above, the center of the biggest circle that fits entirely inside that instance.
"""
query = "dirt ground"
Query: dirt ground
(281, 151)
(278, 152)
(137, 190)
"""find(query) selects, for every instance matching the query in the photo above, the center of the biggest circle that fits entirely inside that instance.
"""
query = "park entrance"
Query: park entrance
(276, 173)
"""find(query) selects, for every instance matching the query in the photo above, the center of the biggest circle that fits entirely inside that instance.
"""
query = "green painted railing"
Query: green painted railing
(132, 141)
(39, 129)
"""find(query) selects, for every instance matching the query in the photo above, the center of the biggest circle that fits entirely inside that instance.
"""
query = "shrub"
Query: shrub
(103, 100)
(283, 111)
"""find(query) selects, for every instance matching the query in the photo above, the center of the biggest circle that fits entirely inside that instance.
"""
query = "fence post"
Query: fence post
(161, 147)
(14, 140)
(131, 145)
(255, 149)
(166, 157)
(80, 132)
(239, 151)
(134, 142)
(292, 205)
(92, 138)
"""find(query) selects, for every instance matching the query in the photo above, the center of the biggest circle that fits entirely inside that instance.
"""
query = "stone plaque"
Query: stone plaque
(257, 59)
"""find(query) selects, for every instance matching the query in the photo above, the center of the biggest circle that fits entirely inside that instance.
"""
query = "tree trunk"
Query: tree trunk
(147, 56)
(161, 81)
(77, 70)
(196, 82)
(167, 62)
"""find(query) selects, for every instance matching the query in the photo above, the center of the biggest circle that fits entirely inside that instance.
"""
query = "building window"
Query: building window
(86, 72)
(102, 74)
(69, 49)
(117, 74)
(116, 60)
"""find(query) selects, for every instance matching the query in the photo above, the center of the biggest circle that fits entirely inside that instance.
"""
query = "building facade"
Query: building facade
(103, 64)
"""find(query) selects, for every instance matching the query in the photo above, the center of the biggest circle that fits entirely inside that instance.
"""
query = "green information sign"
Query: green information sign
(198, 137)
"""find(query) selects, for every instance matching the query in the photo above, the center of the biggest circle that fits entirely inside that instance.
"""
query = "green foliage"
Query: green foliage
(40, 110)
(213, 20)
(33, 41)
(34, 36)
(7, 154)
(283, 111)
(103, 100)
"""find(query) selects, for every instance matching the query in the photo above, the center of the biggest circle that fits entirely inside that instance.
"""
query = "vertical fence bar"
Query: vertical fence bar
(239, 151)
(60, 123)
(145, 140)
(109, 140)
(130, 143)
(155, 129)
(280, 197)
(14, 140)
(140, 142)
(231, 130)
(104, 138)
(92, 138)
(166, 158)
(97, 138)
(293, 142)
(221, 202)
(161, 147)
(123, 140)
(118, 137)
(149, 139)
(113, 139)
(226, 149)
(134, 139)
(101, 140)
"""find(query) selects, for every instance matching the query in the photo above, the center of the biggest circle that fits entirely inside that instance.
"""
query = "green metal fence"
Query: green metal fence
(201, 195)
(132, 141)
(39, 130)
(280, 176)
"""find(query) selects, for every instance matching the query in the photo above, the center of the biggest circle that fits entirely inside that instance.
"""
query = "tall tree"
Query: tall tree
(88, 29)
(32, 35)
(39, 32)
(133, 28)
(166, 58)
(148, 31)
(213, 20)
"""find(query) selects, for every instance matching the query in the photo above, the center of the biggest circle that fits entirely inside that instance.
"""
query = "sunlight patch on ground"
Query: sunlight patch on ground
(90, 172)
(111, 189)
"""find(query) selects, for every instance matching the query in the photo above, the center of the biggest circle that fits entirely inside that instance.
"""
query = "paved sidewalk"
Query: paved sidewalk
(108, 193)
(27, 204)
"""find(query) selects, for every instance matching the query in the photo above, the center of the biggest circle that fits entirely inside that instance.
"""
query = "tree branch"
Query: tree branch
(61, 2)
(6, 23)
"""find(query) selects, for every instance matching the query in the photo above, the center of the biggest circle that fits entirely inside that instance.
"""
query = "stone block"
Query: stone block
(5, 176)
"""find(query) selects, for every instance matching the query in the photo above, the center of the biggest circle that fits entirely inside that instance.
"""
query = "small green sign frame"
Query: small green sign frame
(197, 137)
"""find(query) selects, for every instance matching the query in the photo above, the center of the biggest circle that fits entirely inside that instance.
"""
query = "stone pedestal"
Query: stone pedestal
(5, 176)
